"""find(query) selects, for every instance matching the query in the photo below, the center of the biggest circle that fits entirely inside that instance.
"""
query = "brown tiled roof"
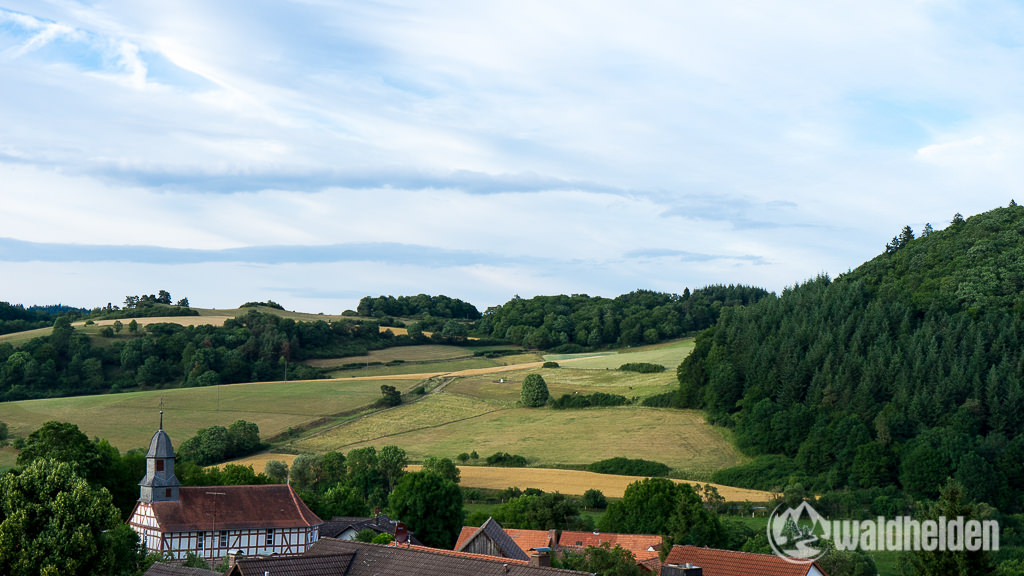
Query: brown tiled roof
(234, 508)
(161, 569)
(464, 535)
(378, 560)
(529, 539)
(729, 563)
(512, 542)
(652, 564)
(334, 565)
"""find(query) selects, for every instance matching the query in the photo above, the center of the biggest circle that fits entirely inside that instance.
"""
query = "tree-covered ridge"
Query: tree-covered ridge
(581, 321)
(251, 348)
(418, 306)
(902, 372)
(17, 318)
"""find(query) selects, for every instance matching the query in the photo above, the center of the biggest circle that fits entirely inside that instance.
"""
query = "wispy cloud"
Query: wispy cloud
(576, 146)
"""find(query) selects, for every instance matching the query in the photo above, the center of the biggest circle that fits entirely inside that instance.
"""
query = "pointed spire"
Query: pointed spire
(161, 420)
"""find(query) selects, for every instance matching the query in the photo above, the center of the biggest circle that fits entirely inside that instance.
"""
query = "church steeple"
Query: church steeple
(160, 483)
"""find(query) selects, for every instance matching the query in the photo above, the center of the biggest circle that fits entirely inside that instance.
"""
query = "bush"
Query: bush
(666, 400)
(629, 467)
(766, 472)
(391, 395)
(463, 457)
(550, 364)
(574, 401)
(420, 391)
(366, 535)
(535, 391)
(642, 367)
(594, 498)
(506, 460)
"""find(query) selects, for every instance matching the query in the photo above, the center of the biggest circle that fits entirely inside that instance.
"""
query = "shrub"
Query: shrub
(391, 395)
(568, 401)
(420, 391)
(594, 498)
(550, 364)
(642, 367)
(629, 467)
(506, 460)
(535, 391)
(463, 457)
(366, 535)
(666, 400)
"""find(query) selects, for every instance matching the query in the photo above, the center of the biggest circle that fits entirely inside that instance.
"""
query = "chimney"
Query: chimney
(540, 557)
(233, 558)
(681, 570)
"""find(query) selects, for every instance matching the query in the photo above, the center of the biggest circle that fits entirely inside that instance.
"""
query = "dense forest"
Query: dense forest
(889, 379)
(17, 318)
(572, 323)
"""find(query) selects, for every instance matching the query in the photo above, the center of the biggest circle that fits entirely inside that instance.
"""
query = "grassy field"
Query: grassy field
(668, 355)
(425, 353)
(128, 420)
(505, 386)
(447, 424)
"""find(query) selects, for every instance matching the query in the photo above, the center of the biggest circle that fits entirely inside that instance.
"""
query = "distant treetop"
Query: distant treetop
(267, 304)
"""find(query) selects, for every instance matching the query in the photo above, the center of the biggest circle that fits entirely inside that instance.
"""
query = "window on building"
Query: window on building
(223, 540)
(270, 536)
(200, 540)
(159, 465)
(167, 492)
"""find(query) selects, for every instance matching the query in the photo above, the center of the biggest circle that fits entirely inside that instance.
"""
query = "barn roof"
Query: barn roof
(234, 508)
(512, 543)
(643, 546)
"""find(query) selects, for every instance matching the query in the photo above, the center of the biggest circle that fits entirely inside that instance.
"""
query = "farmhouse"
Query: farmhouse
(213, 521)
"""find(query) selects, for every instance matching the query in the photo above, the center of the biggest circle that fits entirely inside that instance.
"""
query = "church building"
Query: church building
(213, 521)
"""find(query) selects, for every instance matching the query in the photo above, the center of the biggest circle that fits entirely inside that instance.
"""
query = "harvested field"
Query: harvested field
(259, 461)
(668, 355)
(566, 380)
(575, 482)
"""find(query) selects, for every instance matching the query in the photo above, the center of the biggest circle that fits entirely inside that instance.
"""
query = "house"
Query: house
(163, 569)
(346, 527)
(213, 521)
(644, 547)
(331, 557)
(716, 562)
(491, 539)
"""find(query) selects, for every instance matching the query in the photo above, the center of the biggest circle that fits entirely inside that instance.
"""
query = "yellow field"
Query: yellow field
(547, 479)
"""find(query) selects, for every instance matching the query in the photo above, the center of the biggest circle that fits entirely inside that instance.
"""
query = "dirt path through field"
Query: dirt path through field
(457, 373)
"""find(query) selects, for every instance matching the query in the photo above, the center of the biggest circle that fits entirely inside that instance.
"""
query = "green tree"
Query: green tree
(534, 392)
(4, 435)
(392, 461)
(594, 498)
(430, 506)
(53, 522)
(390, 395)
(366, 535)
(643, 509)
(276, 471)
(603, 560)
(64, 442)
(383, 538)
(443, 467)
(949, 563)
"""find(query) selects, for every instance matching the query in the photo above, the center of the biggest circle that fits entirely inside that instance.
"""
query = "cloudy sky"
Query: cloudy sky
(313, 152)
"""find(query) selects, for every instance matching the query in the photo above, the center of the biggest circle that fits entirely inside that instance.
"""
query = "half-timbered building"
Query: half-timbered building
(213, 521)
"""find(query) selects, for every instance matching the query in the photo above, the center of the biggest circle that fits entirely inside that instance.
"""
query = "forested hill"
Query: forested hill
(902, 372)
(572, 323)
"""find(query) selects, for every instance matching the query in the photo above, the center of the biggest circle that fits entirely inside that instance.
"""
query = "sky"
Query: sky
(314, 152)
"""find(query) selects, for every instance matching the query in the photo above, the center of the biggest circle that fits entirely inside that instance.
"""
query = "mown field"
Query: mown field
(447, 424)
(128, 420)
(669, 355)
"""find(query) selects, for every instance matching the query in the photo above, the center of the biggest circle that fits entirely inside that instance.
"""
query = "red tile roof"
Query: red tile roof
(234, 508)
(644, 547)
(729, 563)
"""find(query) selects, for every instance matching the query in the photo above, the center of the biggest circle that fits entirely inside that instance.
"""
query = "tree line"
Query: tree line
(251, 348)
(574, 323)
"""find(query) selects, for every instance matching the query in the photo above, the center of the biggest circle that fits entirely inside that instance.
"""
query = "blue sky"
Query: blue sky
(312, 152)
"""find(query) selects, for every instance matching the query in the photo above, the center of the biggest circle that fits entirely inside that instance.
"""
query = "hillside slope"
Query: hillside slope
(901, 373)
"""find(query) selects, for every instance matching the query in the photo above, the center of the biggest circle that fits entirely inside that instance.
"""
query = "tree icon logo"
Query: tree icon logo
(793, 533)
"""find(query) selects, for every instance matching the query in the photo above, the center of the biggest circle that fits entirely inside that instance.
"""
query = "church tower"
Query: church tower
(160, 483)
